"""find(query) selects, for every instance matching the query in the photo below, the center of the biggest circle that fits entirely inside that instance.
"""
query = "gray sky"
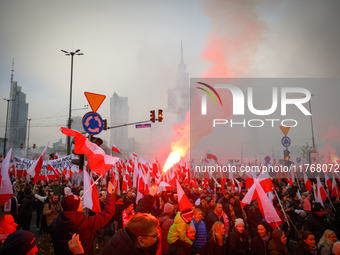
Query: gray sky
(133, 48)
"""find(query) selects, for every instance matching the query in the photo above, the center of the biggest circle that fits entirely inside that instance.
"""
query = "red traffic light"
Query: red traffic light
(152, 116)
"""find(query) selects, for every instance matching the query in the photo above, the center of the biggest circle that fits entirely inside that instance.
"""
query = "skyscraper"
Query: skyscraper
(17, 116)
(119, 114)
(179, 96)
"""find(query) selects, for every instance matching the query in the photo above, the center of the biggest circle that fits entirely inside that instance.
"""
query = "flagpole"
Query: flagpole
(331, 202)
(284, 213)
(91, 186)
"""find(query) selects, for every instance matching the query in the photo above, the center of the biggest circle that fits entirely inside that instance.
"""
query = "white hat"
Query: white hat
(239, 221)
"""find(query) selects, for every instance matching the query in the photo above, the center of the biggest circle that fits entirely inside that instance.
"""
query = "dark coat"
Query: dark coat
(303, 249)
(69, 222)
(238, 209)
(223, 201)
(236, 245)
(317, 225)
(213, 248)
(25, 210)
(165, 223)
(212, 218)
(259, 247)
(276, 248)
(121, 244)
(145, 204)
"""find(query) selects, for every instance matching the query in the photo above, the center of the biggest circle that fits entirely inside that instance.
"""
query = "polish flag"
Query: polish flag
(266, 206)
(265, 182)
(98, 161)
(308, 183)
(55, 171)
(335, 188)
(115, 148)
(140, 185)
(127, 183)
(34, 169)
(183, 200)
(91, 198)
(318, 198)
(56, 156)
(328, 182)
(115, 181)
(249, 180)
(6, 190)
(164, 186)
(210, 155)
(321, 189)
(291, 179)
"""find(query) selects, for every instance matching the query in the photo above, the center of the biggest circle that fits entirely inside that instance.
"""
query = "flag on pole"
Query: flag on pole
(98, 161)
(183, 200)
(328, 182)
(308, 183)
(266, 182)
(6, 190)
(91, 198)
(210, 155)
(115, 148)
(321, 189)
(34, 169)
(335, 188)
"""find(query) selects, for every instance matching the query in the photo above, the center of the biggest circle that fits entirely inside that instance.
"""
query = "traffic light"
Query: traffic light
(160, 115)
(33, 146)
(51, 156)
(21, 146)
(97, 140)
(286, 157)
(104, 124)
(152, 116)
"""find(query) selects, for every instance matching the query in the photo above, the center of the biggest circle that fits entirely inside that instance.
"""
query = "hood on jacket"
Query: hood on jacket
(69, 220)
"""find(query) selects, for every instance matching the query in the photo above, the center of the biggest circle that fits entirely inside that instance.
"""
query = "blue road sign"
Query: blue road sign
(92, 123)
(286, 141)
(143, 125)
(298, 160)
(267, 159)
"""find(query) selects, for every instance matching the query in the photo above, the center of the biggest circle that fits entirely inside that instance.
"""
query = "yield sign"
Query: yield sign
(95, 100)
(285, 130)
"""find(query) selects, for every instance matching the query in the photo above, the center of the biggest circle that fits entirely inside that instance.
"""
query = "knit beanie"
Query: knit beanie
(186, 214)
(19, 242)
(168, 208)
(239, 221)
(70, 203)
(318, 208)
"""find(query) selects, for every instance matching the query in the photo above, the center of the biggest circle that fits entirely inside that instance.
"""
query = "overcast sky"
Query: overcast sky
(133, 48)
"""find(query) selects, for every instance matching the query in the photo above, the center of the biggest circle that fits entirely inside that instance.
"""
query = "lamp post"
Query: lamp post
(4, 153)
(28, 136)
(77, 52)
(311, 122)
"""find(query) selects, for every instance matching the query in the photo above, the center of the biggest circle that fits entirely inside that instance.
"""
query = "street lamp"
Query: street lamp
(311, 121)
(4, 153)
(77, 52)
(28, 136)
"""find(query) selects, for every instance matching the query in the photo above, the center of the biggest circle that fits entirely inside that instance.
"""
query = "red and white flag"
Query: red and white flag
(164, 186)
(56, 156)
(183, 200)
(35, 168)
(266, 182)
(115, 180)
(265, 205)
(115, 148)
(91, 198)
(335, 188)
(328, 182)
(321, 189)
(6, 190)
(318, 198)
(127, 183)
(308, 183)
(98, 161)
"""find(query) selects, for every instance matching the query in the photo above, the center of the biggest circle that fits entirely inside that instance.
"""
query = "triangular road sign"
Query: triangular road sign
(285, 130)
(95, 100)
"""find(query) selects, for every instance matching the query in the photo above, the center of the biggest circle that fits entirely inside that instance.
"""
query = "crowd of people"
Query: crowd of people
(215, 223)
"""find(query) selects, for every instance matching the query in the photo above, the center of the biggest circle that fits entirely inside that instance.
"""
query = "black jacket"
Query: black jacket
(121, 244)
(236, 245)
(212, 218)
(25, 210)
(69, 222)
(258, 246)
(303, 249)
(317, 225)
(145, 204)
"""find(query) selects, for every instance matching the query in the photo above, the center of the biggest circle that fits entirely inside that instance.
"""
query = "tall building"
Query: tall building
(17, 116)
(119, 114)
(179, 96)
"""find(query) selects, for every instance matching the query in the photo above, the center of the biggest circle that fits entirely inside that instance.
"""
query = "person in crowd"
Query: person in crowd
(305, 202)
(238, 239)
(139, 236)
(317, 222)
(57, 188)
(73, 220)
(128, 212)
(52, 209)
(166, 221)
(326, 243)
(260, 243)
(200, 229)
(166, 196)
(216, 243)
(39, 205)
(239, 212)
(211, 204)
(21, 193)
(196, 194)
(229, 210)
(225, 199)
(7, 226)
(191, 233)
(254, 217)
(25, 210)
(203, 206)
(20, 242)
(277, 246)
(336, 248)
(67, 191)
(177, 233)
(118, 223)
(307, 245)
(218, 215)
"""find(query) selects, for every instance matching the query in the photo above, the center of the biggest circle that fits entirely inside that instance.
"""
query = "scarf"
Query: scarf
(265, 239)
(226, 223)
(313, 250)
